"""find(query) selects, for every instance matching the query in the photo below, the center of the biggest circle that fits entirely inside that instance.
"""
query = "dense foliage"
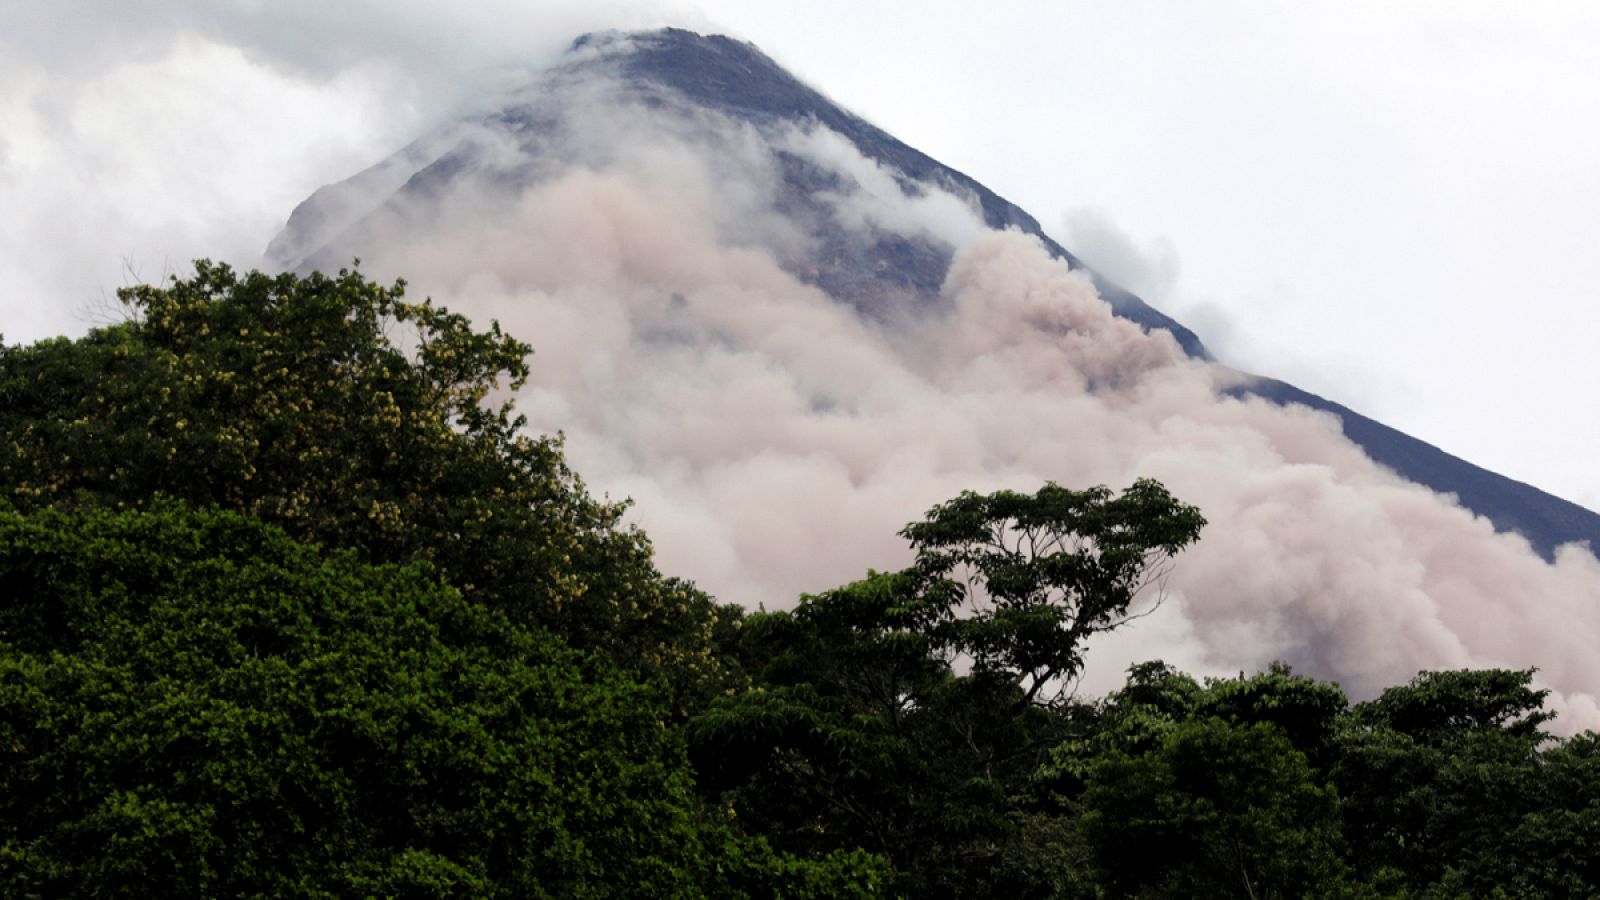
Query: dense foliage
(286, 610)
(195, 701)
(336, 410)
(290, 606)
(857, 728)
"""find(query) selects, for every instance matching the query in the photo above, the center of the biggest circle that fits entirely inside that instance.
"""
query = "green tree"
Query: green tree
(1307, 711)
(1447, 791)
(1442, 707)
(288, 606)
(1550, 851)
(1215, 789)
(861, 729)
(336, 410)
(195, 704)
(1216, 809)
(1019, 582)
(857, 734)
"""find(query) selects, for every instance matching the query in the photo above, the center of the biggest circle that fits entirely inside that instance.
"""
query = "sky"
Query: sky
(1371, 200)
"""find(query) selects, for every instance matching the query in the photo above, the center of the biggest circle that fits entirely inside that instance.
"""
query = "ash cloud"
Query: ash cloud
(775, 439)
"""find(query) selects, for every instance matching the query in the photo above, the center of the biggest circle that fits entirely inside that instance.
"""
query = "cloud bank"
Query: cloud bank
(775, 440)
(136, 137)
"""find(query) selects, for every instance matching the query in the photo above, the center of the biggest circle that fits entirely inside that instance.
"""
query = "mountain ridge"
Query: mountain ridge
(735, 79)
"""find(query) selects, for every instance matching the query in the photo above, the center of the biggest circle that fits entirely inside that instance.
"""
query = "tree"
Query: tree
(1442, 707)
(1308, 712)
(1216, 809)
(1439, 773)
(349, 417)
(856, 733)
(861, 731)
(194, 704)
(289, 607)
(1038, 575)
(1214, 789)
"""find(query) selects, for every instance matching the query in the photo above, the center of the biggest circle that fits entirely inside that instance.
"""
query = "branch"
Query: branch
(1238, 856)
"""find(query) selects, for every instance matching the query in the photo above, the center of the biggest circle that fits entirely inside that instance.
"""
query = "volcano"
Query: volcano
(877, 270)
(785, 333)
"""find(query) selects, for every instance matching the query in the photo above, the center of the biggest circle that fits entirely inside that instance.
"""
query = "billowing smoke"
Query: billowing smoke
(775, 440)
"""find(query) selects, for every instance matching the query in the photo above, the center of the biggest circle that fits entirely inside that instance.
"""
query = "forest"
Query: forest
(291, 604)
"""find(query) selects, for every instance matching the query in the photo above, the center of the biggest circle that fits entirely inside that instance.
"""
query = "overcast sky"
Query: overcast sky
(1392, 205)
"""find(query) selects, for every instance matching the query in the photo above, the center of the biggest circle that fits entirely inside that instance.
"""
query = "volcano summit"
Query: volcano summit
(786, 333)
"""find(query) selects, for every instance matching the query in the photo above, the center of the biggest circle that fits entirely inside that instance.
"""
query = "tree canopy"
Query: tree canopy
(196, 704)
(288, 607)
(1039, 574)
(350, 418)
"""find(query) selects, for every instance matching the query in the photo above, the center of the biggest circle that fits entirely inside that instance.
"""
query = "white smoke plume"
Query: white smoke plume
(775, 441)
